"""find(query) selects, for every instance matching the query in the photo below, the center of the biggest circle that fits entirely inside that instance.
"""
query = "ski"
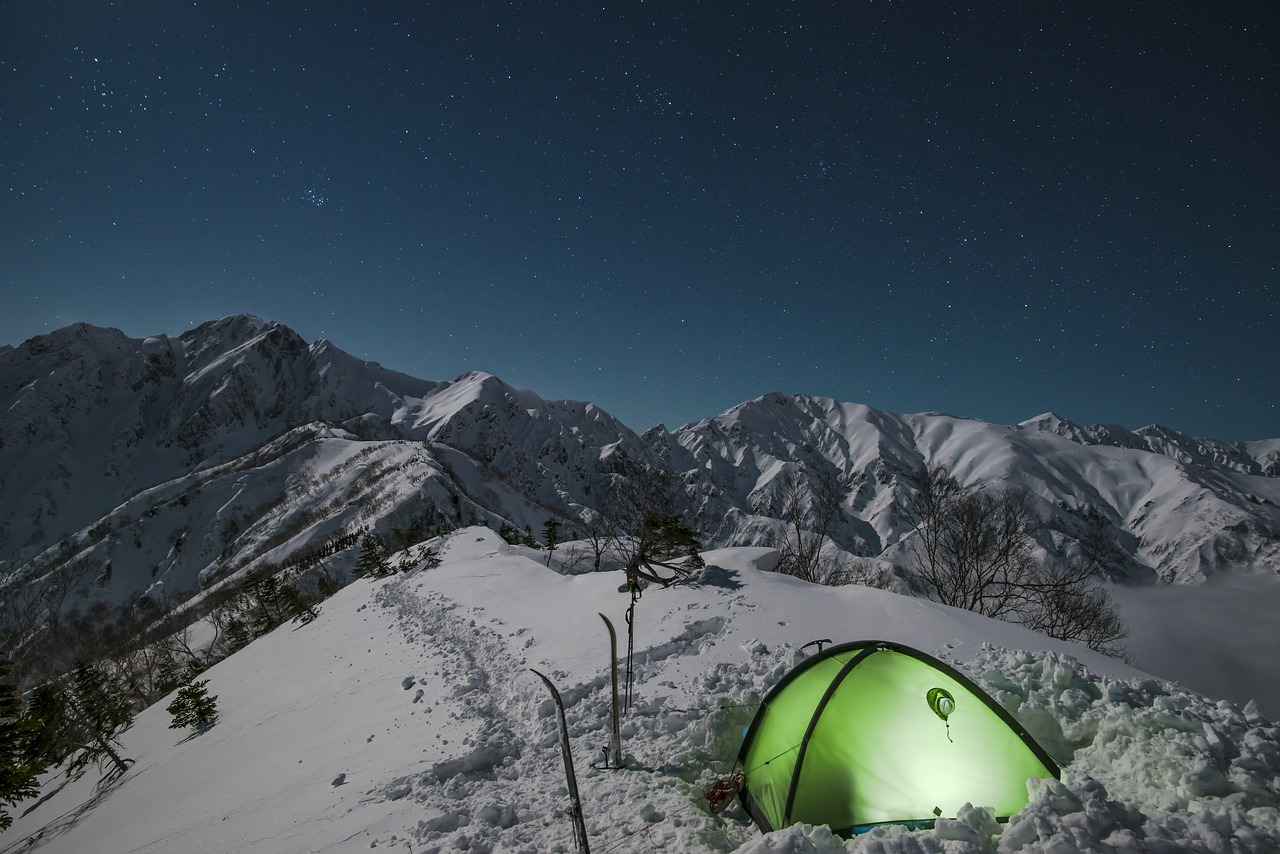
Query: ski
(575, 808)
(613, 753)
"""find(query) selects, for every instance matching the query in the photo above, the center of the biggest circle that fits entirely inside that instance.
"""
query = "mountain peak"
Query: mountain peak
(76, 333)
(481, 377)
(248, 321)
(487, 386)
(1162, 432)
(1051, 422)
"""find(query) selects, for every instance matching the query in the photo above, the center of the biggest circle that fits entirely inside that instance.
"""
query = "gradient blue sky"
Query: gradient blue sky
(670, 207)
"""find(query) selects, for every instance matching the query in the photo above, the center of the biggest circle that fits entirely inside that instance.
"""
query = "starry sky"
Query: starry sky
(668, 207)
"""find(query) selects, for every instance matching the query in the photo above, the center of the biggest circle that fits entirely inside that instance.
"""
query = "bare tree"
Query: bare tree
(648, 530)
(808, 513)
(572, 557)
(975, 550)
(983, 560)
(31, 609)
(865, 572)
(597, 533)
(1079, 612)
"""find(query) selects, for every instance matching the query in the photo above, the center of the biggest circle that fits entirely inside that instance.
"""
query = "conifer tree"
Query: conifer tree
(327, 585)
(97, 713)
(374, 562)
(550, 531)
(101, 707)
(51, 740)
(19, 769)
(267, 608)
(298, 606)
(194, 707)
(239, 634)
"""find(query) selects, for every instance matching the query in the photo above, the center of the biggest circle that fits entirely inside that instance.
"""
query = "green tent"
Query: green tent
(871, 733)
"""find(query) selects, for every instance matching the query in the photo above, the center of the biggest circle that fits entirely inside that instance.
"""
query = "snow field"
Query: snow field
(405, 718)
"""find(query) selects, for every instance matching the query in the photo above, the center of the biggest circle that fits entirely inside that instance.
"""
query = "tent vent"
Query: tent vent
(943, 704)
(941, 701)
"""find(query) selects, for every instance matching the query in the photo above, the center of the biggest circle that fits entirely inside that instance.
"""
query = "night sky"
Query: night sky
(670, 207)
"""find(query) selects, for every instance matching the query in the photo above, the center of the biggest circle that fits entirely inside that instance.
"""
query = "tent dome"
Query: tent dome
(873, 732)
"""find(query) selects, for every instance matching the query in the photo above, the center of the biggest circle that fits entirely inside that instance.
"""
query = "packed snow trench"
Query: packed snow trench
(406, 718)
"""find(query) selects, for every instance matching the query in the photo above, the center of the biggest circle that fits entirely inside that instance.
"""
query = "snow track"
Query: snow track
(505, 790)
(474, 800)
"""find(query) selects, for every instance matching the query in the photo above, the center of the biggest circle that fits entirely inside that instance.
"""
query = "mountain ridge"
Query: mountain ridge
(243, 438)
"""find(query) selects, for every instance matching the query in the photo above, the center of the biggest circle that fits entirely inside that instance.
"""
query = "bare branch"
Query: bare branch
(975, 550)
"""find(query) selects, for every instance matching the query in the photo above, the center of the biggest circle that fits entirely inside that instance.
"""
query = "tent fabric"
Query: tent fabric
(874, 732)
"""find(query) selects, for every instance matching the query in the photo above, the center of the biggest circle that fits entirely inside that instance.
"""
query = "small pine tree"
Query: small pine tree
(267, 610)
(19, 769)
(327, 585)
(430, 558)
(300, 607)
(51, 740)
(373, 561)
(550, 531)
(194, 707)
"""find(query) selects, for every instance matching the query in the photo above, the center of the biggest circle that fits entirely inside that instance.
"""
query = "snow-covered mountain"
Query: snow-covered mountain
(172, 463)
(184, 461)
(1185, 508)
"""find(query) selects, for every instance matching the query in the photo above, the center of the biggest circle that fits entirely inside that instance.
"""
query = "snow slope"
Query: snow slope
(405, 718)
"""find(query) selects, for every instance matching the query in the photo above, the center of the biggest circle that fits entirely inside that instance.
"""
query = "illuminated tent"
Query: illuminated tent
(872, 733)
